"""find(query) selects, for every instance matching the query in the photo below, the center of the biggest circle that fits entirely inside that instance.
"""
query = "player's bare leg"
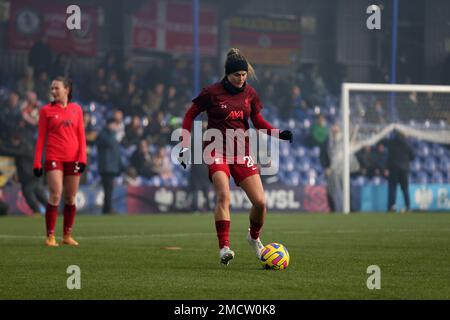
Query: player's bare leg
(71, 184)
(222, 215)
(254, 189)
(55, 186)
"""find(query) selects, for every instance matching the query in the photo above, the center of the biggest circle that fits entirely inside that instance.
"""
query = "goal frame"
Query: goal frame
(346, 88)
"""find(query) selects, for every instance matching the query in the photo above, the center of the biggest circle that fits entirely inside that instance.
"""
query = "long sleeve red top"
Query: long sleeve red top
(227, 111)
(61, 130)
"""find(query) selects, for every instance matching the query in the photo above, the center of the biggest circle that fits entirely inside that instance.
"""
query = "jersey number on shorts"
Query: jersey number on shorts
(250, 163)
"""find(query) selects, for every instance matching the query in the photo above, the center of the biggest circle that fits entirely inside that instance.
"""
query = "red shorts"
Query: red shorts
(68, 168)
(237, 170)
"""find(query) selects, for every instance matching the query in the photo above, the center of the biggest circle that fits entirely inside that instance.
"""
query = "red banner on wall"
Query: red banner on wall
(179, 28)
(144, 26)
(266, 40)
(34, 20)
(168, 26)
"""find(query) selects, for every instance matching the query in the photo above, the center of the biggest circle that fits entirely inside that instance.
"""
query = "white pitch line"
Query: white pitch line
(125, 236)
(181, 235)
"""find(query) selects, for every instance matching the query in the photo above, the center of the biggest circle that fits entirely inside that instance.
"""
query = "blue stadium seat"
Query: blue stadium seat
(430, 164)
(284, 150)
(304, 165)
(377, 180)
(416, 165)
(444, 164)
(315, 152)
(423, 150)
(300, 151)
(294, 179)
(306, 123)
(360, 181)
(437, 177)
(290, 165)
(438, 151)
(312, 176)
(422, 178)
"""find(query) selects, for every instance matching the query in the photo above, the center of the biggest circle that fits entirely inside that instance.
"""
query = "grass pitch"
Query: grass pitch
(136, 257)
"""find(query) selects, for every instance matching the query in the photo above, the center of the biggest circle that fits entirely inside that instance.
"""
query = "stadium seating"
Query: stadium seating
(300, 162)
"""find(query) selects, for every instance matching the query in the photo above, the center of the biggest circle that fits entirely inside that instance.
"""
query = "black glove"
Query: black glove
(286, 135)
(38, 172)
(183, 157)
(79, 167)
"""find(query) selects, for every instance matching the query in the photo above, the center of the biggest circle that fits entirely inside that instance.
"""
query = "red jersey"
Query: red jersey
(227, 110)
(63, 130)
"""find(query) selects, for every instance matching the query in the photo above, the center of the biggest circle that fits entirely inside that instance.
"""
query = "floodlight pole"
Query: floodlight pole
(393, 77)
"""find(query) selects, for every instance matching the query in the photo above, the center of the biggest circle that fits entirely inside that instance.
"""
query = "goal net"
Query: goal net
(370, 113)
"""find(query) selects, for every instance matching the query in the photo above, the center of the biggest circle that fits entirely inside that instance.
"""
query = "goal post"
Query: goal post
(370, 112)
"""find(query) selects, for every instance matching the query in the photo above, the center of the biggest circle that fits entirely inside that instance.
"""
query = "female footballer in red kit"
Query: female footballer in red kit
(228, 104)
(61, 130)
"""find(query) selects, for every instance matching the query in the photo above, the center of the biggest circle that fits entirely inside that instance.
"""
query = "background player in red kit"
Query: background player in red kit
(61, 129)
(228, 104)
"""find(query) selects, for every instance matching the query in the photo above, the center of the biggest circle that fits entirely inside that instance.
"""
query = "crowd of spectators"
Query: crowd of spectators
(146, 106)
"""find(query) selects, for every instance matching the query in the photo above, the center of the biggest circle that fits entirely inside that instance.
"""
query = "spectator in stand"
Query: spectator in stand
(114, 86)
(40, 57)
(133, 132)
(142, 160)
(3, 205)
(163, 167)
(120, 133)
(132, 100)
(170, 103)
(109, 161)
(400, 154)
(379, 160)
(158, 130)
(376, 114)
(154, 99)
(333, 164)
(26, 83)
(292, 104)
(91, 138)
(365, 159)
(110, 63)
(127, 72)
(131, 178)
(42, 88)
(319, 131)
(162, 163)
(21, 149)
(91, 133)
(99, 87)
(164, 129)
(432, 107)
(30, 111)
(10, 115)
(320, 90)
(410, 106)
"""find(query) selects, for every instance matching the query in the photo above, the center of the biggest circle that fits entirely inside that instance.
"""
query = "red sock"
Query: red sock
(255, 229)
(69, 217)
(223, 233)
(51, 214)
